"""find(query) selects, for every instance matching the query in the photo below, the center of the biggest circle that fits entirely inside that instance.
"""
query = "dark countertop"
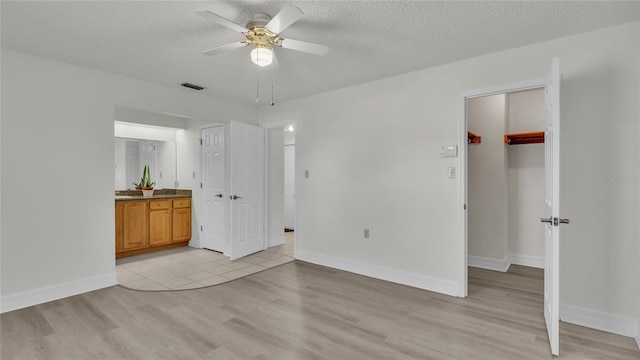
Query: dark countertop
(133, 195)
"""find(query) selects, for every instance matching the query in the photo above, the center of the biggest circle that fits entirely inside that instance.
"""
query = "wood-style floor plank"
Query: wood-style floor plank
(303, 311)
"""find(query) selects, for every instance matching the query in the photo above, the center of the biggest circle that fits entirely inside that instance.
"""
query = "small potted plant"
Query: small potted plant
(145, 184)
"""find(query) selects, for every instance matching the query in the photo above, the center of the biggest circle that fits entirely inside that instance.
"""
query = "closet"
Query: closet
(506, 179)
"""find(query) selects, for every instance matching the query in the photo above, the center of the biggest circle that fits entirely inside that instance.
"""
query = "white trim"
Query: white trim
(616, 324)
(277, 240)
(489, 264)
(503, 265)
(526, 260)
(55, 292)
(463, 283)
(462, 165)
(638, 335)
(410, 279)
(210, 125)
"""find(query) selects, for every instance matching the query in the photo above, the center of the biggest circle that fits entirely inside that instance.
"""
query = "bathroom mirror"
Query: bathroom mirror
(132, 154)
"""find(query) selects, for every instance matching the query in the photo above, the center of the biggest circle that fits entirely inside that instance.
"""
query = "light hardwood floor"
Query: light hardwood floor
(303, 311)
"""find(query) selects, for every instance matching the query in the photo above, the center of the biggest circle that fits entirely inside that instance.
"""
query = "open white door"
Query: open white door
(214, 213)
(552, 218)
(246, 189)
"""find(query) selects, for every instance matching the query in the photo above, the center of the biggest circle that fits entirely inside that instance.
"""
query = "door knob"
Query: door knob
(235, 197)
(219, 195)
(555, 221)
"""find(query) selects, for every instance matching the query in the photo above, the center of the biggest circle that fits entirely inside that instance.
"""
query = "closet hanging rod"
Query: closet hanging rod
(536, 137)
(473, 138)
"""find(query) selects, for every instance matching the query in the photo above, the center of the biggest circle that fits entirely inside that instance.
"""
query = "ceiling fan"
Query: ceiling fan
(263, 32)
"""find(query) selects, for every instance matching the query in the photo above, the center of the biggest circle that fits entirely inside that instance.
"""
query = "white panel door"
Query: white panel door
(552, 218)
(289, 186)
(214, 199)
(246, 189)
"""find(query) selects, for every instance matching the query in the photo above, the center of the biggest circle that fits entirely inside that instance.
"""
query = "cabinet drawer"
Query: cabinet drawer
(181, 203)
(159, 204)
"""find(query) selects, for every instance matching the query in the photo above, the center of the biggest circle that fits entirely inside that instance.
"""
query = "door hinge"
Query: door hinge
(200, 185)
(201, 229)
(464, 207)
(200, 141)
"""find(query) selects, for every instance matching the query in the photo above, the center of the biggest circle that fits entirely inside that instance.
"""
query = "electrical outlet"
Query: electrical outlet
(366, 233)
(451, 173)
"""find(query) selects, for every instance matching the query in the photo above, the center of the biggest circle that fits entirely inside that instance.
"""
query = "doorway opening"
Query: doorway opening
(505, 186)
(281, 184)
(505, 190)
(490, 104)
(551, 215)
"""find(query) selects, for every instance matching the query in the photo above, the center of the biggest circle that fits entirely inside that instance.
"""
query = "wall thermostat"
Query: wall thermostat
(447, 151)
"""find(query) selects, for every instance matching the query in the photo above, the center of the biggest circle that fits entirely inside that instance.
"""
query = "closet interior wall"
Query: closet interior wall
(505, 182)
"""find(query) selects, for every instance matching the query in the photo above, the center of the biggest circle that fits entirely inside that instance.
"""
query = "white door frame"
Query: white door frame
(463, 279)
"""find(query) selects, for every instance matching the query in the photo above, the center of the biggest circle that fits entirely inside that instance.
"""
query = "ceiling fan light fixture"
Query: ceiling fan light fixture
(262, 55)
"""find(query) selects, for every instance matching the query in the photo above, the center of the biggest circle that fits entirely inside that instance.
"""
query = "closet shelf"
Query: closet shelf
(536, 137)
(473, 138)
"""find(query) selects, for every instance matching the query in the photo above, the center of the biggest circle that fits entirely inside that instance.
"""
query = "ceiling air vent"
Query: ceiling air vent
(191, 86)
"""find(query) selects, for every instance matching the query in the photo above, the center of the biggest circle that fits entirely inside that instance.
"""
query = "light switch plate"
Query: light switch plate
(447, 151)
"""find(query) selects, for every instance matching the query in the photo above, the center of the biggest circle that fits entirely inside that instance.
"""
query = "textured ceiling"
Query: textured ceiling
(161, 41)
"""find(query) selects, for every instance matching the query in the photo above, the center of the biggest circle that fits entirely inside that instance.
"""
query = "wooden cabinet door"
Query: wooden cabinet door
(119, 226)
(135, 233)
(181, 224)
(159, 222)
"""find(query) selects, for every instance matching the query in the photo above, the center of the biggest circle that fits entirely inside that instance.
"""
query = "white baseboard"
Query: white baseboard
(55, 292)
(410, 279)
(503, 265)
(488, 263)
(277, 240)
(616, 324)
(526, 260)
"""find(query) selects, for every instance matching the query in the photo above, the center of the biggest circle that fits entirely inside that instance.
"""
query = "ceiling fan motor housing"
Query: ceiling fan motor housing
(260, 20)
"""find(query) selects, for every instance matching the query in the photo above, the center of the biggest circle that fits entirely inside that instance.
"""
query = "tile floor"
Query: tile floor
(189, 268)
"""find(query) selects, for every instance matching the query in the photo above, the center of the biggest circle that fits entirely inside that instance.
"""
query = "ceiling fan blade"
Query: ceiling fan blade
(224, 48)
(304, 46)
(287, 16)
(222, 21)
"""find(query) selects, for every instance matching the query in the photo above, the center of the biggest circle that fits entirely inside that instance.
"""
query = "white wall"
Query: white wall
(373, 155)
(487, 178)
(526, 176)
(275, 189)
(58, 131)
(166, 151)
(120, 164)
